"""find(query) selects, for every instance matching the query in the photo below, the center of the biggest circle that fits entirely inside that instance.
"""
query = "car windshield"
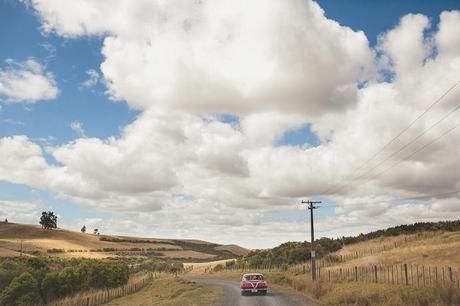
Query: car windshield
(253, 277)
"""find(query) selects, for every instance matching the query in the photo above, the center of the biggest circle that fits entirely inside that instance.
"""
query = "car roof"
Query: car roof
(252, 274)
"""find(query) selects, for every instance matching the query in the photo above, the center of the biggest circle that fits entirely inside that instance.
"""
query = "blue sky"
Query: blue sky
(69, 60)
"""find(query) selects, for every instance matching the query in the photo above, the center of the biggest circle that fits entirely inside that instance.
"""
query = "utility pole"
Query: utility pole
(311, 206)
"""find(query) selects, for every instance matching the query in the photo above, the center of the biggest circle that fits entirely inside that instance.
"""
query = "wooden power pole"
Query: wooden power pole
(311, 206)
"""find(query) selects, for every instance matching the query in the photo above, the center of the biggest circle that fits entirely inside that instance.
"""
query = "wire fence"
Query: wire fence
(401, 274)
(98, 297)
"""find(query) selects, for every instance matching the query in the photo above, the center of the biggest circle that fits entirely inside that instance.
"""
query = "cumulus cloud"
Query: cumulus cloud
(20, 212)
(273, 67)
(210, 56)
(26, 82)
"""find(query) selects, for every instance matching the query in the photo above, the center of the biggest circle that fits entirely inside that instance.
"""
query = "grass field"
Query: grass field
(431, 249)
(37, 241)
(172, 291)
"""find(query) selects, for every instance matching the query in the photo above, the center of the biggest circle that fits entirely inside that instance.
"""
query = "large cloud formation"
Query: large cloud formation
(275, 66)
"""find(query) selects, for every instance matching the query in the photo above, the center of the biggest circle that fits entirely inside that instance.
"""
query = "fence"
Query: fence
(408, 275)
(98, 297)
(381, 247)
(404, 274)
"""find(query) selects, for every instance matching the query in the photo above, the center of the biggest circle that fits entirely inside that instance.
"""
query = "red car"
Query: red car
(253, 283)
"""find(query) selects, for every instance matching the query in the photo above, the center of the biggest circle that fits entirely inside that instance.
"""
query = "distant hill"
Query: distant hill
(65, 243)
(442, 241)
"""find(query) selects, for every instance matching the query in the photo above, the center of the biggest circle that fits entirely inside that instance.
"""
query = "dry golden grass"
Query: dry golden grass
(4, 252)
(431, 249)
(200, 267)
(75, 244)
(235, 249)
(186, 254)
(172, 291)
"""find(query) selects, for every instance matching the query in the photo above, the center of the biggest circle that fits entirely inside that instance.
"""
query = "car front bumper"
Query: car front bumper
(255, 290)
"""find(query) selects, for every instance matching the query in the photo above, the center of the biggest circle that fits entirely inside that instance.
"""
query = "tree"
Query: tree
(48, 220)
(6, 220)
(96, 231)
(22, 291)
(83, 229)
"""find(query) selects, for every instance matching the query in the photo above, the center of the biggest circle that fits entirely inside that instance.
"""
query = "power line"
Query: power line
(430, 196)
(418, 150)
(437, 101)
(410, 142)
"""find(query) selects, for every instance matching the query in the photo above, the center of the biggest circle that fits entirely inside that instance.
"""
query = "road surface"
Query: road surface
(232, 295)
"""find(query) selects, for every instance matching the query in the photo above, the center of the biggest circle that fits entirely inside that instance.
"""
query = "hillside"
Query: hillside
(420, 243)
(427, 248)
(66, 243)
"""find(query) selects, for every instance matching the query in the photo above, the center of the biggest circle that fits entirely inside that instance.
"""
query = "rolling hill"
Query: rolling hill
(33, 240)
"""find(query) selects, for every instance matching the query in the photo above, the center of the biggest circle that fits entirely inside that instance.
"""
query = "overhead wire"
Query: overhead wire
(334, 189)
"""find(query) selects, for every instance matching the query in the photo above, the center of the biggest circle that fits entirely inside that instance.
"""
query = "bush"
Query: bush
(23, 290)
(51, 287)
(105, 274)
(218, 268)
(53, 251)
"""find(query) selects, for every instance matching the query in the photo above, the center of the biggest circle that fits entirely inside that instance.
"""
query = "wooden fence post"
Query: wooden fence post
(429, 278)
(392, 274)
(423, 275)
(356, 273)
(375, 274)
(418, 278)
(436, 274)
(405, 274)
(450, 274)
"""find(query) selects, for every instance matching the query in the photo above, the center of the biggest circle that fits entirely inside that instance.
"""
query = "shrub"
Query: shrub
(218, 268)
(51, 287)
(23, 290)
(105, 274)
(53, 251)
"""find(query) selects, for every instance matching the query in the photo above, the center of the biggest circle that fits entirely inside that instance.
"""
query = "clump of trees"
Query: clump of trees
(48, 220)
(31, 281)
(291, 252)
(405, 229)
(23, 290)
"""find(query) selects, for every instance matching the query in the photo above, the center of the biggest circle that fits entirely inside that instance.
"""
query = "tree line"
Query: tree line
(35, 281)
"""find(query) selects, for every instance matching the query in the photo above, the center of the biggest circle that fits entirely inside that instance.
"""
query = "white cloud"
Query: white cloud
(210, 56)
(276, 67)
(93, 78)
(78, 128)
(20, 212)
(27, 82)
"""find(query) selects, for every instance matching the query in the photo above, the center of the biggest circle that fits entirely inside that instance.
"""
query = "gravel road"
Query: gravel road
(232, 295)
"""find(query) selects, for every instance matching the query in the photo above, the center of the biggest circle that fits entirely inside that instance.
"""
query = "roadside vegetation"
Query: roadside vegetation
(36, 281)
(349, 293)
(290, 253)
(172, 291)
(368, 269)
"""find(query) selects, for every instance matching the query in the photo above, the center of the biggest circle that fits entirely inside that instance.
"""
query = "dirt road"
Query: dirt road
(232, 295)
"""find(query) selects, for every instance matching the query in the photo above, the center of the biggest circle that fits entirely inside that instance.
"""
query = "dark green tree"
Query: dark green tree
(48, 220)
(83, 229)
(22, 291)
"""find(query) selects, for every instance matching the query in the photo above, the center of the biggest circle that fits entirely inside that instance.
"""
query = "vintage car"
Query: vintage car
(253, 283)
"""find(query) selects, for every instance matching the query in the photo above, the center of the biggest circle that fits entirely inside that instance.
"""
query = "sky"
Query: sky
(213, 120)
